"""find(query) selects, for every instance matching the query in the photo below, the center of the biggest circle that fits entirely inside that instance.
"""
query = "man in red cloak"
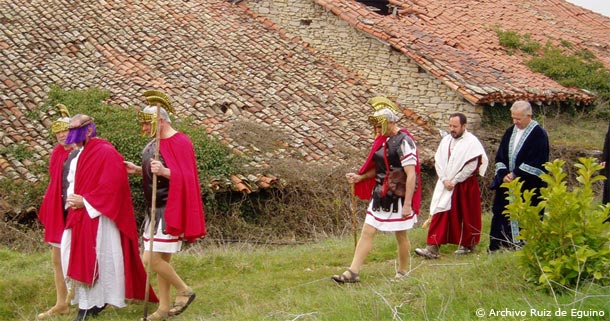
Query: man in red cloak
(178, 206)
(52, 213)
(393, 150)
(100, 243)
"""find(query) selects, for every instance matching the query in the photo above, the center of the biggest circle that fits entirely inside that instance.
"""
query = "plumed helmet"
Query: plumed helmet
(385, 111)
(61, 124)
(155, 99)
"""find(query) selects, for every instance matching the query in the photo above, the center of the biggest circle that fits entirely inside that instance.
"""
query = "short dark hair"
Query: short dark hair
(461, 116)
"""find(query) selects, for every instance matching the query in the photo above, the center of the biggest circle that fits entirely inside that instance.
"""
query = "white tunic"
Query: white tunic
(109, 288)
(164, 243)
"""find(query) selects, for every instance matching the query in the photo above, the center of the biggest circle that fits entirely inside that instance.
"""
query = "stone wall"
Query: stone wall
(388, 70)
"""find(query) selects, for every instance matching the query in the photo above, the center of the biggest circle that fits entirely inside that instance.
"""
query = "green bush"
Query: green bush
(530, 46)
(563, 64)
(23, 196)
(509, 39)
(19, 151)
(570, 245)
(574, 70)
(514, 41)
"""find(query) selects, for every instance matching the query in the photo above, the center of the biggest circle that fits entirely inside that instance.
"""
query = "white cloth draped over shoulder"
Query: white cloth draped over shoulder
(466, 148)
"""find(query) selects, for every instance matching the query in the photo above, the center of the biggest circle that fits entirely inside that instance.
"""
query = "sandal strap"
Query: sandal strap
(157, 315)
(187, 293)
(352, 274)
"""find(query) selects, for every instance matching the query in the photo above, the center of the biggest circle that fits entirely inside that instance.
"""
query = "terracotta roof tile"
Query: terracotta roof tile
(222, 64)
(456, 42)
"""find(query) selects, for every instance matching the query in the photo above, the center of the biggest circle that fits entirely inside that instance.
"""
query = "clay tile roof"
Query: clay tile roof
(266, 95)
(456, 41)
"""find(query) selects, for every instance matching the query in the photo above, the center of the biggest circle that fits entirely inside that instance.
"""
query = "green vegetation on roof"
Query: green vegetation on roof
(564, 64)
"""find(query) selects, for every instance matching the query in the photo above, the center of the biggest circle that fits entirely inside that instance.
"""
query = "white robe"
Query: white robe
(447, 167)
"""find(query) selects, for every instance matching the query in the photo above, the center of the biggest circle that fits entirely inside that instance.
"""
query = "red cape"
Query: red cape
(462, 223)
(102, 180)
(184, 209)
(51, 209)
(364, 189)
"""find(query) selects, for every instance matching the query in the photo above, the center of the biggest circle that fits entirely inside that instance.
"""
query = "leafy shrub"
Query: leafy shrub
(19, 151)
(24, 198)
(214, 159)
(530, 46)
(570, 244)
(567, 66)
(509, 39)
(514, 41)
(574, 70)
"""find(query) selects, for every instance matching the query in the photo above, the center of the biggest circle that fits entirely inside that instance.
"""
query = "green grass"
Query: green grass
(292, 282)
(575, 132)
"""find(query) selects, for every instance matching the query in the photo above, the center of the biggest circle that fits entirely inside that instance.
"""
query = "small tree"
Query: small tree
(571, 244)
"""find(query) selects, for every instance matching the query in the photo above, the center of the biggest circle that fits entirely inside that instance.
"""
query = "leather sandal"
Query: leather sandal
(180, 306)
(156, 316)
(427, 253)
(52, 312)
(342, 278)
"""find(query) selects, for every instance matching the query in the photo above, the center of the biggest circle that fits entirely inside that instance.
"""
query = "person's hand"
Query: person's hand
(508, 178)
(75, 201)
(156, 167)
(352, 178)
(448, 184)
(407, 211)
(132, 168)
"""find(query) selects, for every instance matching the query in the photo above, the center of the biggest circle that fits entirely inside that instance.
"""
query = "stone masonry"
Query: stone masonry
(390, 72)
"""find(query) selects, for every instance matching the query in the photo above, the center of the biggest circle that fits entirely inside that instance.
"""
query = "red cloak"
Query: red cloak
(184, 213)
(51, 213)
(102, 180)
(462, 223)
(364, 189)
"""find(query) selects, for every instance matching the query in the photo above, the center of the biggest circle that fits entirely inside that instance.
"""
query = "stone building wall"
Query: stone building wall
(388, 70)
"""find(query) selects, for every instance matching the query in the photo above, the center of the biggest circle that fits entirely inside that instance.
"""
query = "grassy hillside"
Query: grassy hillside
(292, 282)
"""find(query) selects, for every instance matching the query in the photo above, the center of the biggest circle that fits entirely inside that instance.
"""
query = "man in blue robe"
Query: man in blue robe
(522, 153)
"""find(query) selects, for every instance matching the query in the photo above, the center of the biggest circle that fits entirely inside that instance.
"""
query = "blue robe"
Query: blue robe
(526, 162)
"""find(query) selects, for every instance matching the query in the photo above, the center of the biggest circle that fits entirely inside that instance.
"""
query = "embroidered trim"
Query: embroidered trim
(158, 240)
(401, 219)
(500, 166)
(531, 169)
(513, 155)
(407, 156)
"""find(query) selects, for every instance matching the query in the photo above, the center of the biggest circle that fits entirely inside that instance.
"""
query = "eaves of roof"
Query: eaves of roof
(456, 42)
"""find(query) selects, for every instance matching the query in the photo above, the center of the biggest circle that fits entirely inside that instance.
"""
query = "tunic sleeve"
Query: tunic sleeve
(408, 152)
